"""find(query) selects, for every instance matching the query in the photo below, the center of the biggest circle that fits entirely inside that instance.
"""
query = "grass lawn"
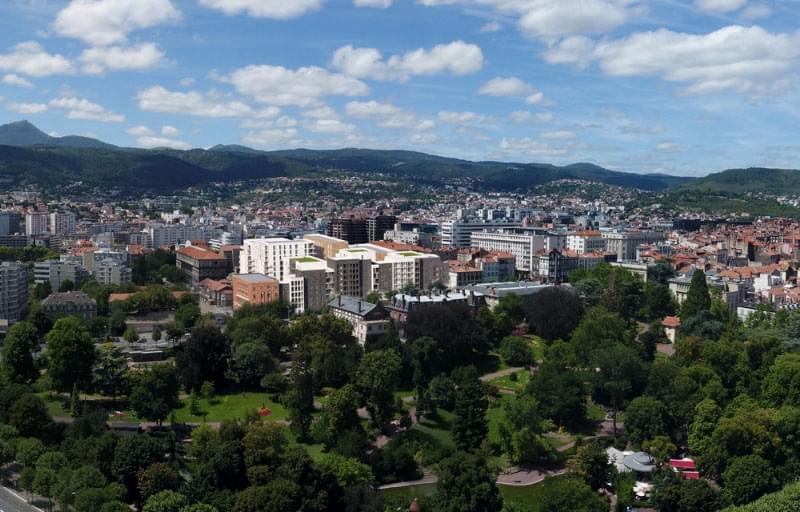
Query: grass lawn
(55, 404)
(436, 431)
(537, 345)
(231, 407)
(507, 382)
(595, 412)
(525, 499)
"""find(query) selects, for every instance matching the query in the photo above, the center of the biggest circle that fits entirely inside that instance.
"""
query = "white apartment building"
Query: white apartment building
(292, 290)
(458, 233)
(270, 256)
(36, 223)
(110, 271)
(585, 241)
(165, 236)
(624, 243)
(522, 246)
(62, 223)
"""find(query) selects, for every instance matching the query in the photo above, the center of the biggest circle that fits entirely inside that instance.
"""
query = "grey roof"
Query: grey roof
(352, 305)
(255, 278)
(641, 462)
(69, 298)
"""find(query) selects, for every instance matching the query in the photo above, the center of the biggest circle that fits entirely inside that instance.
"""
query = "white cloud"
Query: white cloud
(170, 131)
(385, 114)
(531, 147)
(272, 138)
(378, 4)
(303, 87)
(321, 112)
(425, 125)
(329, 126)
(456, 58)
(559, 135)
(30, 58)
(744, 59)
(273, 9)
(757, 11)
(720, 6)
(668, 147)
(524, 116)
(187, 82)
(492, 26)
(106, 22)
(115, 58)
(140, 131)
(450, 117)
(571, 50)
(161, 142)
(511, 86)
(28, 108)
(83, 109)
(12, 79)
(193, 103)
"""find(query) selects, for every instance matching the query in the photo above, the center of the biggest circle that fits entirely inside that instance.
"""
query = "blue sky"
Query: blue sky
(676, 86)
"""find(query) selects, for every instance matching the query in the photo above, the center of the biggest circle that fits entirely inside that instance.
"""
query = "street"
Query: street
(10, 503)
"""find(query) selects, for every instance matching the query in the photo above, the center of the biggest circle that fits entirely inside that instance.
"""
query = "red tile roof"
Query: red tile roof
(198, 253)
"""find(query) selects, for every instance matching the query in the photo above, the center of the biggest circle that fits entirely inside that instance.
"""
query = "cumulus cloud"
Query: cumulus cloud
(450, 117)
(115, 58)
(28, 108)
(456, 58)
(571, 50)
(330, 126)
(273, 9)
(492, 26)
(193, 103)
(303, 87)
(386, 115)
(12, 79)
(378, 4)
(531, 147)
(525, 116)
(272, 137)
(147, 138)
(757, 11)
(170, 131)
(106, 22)
(559, 135)
(744, 59)
(720, 6)
(513, 87)
(30, 58)
(78, 108)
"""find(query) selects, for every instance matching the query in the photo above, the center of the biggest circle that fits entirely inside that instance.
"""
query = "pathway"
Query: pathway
(499, 374)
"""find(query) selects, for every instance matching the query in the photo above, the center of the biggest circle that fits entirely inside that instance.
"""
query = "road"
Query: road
(10, 503)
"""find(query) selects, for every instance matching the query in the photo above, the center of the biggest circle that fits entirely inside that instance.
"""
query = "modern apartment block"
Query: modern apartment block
(356, 230)
(624, 243)
(13, 291)
(458, 233)
(62, 223)
(9, 223)
(167, 236)
(36, 223)
(317, 281)
(523, 246)
(56, 272)
(326, 246)
(270, 256)
(112, 272)
(585, 241)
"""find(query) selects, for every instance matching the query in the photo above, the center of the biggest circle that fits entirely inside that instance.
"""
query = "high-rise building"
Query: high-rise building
(13, 291)
(523, 246)
(36, 223)
(458, 233)
(9, 223)
(270, 256)
(351, 230)
(317, 281)
(62, 223)
(378, 226)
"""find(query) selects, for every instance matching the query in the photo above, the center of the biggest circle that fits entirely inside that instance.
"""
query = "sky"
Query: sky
(684, 87)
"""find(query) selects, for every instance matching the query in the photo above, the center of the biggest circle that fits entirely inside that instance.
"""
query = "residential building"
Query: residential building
(36, 223)
(352, 276)
(270, 256)
(317, 281)
(254, 289)
(293, 292)
(351, 230)
(57, 272)
(493, 292)
(462, 274)
(173, 235)
(9, 223)
(378, 226)
(555, 266)
(671, 325)
(111, 271)
(368, 320)
(401, 305)
(13, 291)
(523, 246)
(62, 223)
(414, 236)
(217, 293)
(497, 266)
(585, 241)
(625, 243)
(458, 233)
(200, 263)
(70, 304)
(326, 246)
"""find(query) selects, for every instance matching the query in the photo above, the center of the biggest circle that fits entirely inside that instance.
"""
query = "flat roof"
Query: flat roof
(254, 278)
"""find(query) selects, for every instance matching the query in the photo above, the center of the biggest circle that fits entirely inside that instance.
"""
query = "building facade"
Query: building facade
(199, 263)
(254, 289)
(13, 291)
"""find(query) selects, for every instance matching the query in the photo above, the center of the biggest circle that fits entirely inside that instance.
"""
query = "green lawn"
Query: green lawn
(507, 382)
(231, 407)
(537, 345)
(525, 499)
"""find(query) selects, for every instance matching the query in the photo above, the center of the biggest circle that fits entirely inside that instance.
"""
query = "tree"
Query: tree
(553, 313)
(249, 364)
(154, 393)
(203, 357)
(598, 331)
(165, 501)
(707, 414)
(300, 397)
(516, 351)
(130, 335)
(131, 455)
(111, 372)
(697, 298)
(157, 478)
(782, 383)
(348, 472)
(622, 376)
(339, 415)
(560, 494)
(377, 378)
(44, 484)
(187, 315)
(156, 334)
(645, 418)
(66, 286)
(593, 466)
(29, 416)
(658, 302)
(70, 355)
(561, 395)
(784, 500)
(18, 364)
(42, 290)
(748, 478)
(466, 484)
(469, 426)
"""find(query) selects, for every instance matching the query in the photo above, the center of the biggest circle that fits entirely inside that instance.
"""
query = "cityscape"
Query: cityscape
(386, 256)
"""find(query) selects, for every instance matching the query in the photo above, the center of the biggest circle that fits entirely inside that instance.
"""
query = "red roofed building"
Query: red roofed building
(218, 293)
(200, 263)
(671, 324)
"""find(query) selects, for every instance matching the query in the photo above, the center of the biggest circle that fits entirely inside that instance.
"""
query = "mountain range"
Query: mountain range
(29, 156)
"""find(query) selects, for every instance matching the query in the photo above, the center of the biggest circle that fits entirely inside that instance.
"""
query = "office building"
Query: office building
(351, 230)
(13, 291)
(522, 246)
(9, 223)
(585, 241)
(458, 233)
(378, 226)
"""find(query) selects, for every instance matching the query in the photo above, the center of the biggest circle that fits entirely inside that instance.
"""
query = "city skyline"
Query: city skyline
(663, 86)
